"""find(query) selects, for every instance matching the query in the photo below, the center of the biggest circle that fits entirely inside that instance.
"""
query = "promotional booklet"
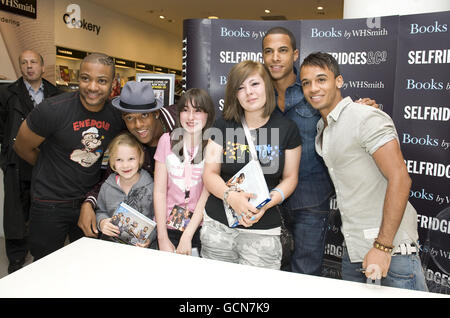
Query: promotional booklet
(249, 179)
(134, 226)
(179, 218)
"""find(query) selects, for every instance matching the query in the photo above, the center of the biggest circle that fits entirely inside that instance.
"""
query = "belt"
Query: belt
(62, 203)
(405, 249)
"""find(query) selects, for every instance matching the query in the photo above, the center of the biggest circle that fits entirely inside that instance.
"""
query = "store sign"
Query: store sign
(26, 8)
(142, 66)
(62, 51)
(124, 63)
(72, 19)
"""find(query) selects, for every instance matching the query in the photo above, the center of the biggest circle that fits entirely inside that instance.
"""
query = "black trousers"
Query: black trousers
(50, 224)
(175, 236)
(17, 249)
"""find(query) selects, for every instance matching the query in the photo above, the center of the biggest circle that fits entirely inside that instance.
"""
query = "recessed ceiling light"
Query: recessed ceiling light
(162, 17)
(212, 17)
(319, 8)
(267, 11)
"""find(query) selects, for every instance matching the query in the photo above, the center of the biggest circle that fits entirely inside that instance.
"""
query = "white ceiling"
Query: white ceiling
(176, 11)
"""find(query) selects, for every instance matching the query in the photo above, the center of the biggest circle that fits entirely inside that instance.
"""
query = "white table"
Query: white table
(96, 268)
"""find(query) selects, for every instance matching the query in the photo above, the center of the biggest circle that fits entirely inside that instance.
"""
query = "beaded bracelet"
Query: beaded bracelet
(381, 247)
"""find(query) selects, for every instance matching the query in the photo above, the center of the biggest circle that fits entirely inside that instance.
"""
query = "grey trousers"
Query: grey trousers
(220, 242)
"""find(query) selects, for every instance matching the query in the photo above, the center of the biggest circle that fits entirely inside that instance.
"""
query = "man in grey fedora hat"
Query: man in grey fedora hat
(137, 97)
(146, 119)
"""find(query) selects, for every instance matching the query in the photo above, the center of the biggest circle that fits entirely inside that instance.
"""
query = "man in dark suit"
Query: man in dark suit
(16, 101)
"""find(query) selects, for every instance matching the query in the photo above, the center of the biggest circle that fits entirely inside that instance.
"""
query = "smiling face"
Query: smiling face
(279, 56)
(251, 94)
(95, 85)
(31, 66)
(192, 118)
(126, 162)
(144, 126)
(321, 88)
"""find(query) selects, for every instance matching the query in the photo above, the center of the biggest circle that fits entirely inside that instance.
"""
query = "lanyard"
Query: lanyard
(188, 167)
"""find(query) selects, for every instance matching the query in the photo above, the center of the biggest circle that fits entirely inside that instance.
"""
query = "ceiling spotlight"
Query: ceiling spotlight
(267, 11)
(319, 8)
(162, 17)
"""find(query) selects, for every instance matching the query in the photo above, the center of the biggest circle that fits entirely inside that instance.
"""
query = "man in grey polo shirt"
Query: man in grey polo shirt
(361, 151)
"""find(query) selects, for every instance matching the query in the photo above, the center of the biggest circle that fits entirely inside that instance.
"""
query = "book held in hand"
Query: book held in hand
(134, 227)
(249, 179)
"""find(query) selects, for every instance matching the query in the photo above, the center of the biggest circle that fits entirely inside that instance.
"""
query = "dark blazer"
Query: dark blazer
(15, 105)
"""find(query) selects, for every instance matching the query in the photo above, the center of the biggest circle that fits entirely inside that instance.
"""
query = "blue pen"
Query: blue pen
(237, 222)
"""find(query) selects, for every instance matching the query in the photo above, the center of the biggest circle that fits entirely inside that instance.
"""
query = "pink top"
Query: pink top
(176, 181)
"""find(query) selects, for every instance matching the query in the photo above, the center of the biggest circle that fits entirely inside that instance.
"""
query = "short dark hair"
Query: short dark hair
(281, 30)
(323, 60)
(100, 58)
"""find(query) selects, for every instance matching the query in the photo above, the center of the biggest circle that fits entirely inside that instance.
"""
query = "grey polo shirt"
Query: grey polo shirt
(353, 134)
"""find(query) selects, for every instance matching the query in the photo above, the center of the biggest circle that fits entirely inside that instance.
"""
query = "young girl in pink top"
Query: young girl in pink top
(179, 195)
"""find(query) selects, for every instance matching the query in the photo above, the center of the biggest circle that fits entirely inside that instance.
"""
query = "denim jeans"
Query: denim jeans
(405, 271)
(309, 227)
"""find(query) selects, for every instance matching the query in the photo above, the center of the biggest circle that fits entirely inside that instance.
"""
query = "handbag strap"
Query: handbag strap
(251, 145)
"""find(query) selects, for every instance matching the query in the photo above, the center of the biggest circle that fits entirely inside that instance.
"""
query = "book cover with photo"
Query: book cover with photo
(249, 179)
(179, 218)
(134, 227)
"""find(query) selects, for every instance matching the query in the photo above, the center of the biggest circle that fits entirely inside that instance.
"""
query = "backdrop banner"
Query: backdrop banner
(212, 47)
(365, 50)
(400, 61)
(421, 114)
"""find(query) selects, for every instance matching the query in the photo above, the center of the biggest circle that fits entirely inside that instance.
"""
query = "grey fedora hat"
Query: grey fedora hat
(137, 97)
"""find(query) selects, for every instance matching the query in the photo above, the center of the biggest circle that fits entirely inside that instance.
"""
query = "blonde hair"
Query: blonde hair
(238, 74)
(128, 140)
